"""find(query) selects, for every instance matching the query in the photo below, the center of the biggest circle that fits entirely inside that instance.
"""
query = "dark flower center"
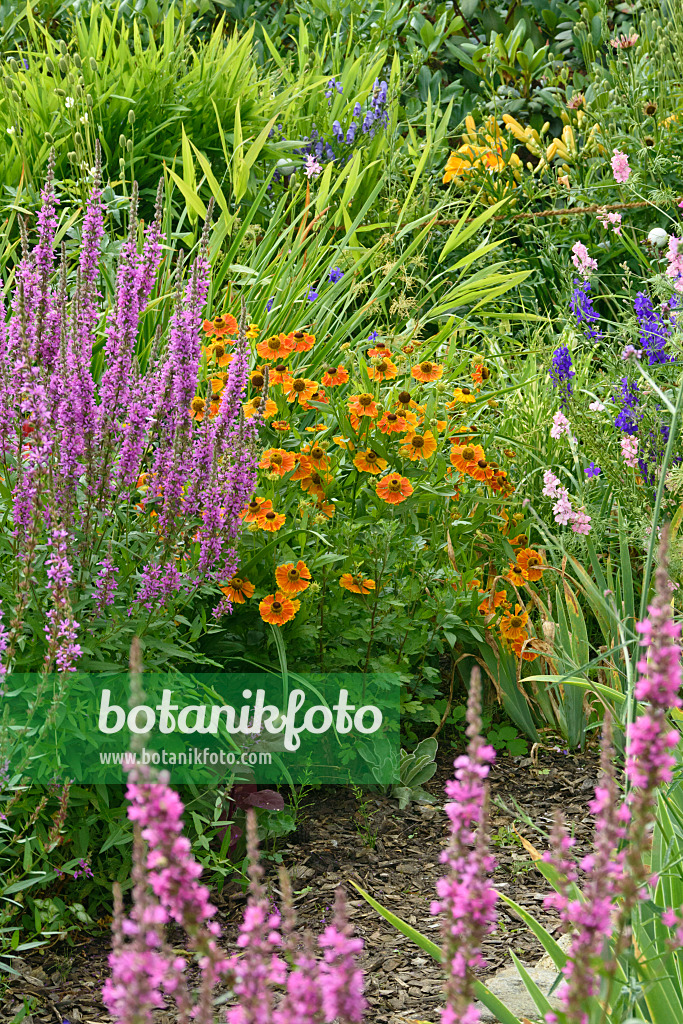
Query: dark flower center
(404, 398)
(293, 575)
(395, 485)
(515, 622)
(317, 452)
(270, 516)
(277, 607)
(258, 380)
(466, 391)
(426, 367)
(219, 351)
(316, 478)
(365, 400)
(468, 453)
(371, 457)
(483, 464)
(392, 417)
(280, 368)
(418, 441)
(299, 335)
(276, 459)
(382, 366)
(299, 385)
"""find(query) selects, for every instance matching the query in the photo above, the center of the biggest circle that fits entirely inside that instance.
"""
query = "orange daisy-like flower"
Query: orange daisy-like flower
(238, 590)
(304, 467)
(512, 624)
(278, 609)
(392, 423)
(218, 354)
(385, 369)
(317, 396)
(221, 325)
(515, 574)
(316, 456)
(326, 507)
(271, 521)
(335, 375)
(394, 488)
(493, 601)
(465, 456)
(252, 331)
(480, 374)
(369, 462)
(280, 374)
(344, 442)
(277, 460)
(315, 483)
(461, 396)
(302, 342)
(292, 579)
(427, 371)
(254, 404)
(255, 508)
(356, 584)
(217, 384)
(299, 388)
(197, 409)
(526, 654)
(481, 470)
(531, 563)
(380, 349)
(520, 541)
(363, 405)
(419, 446)
(277, 346)
(281, 425)
(257, 378)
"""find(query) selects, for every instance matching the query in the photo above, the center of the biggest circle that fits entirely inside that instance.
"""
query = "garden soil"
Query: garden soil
(393, 855)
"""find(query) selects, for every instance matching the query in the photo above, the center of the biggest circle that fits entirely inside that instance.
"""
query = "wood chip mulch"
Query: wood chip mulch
(393, 855)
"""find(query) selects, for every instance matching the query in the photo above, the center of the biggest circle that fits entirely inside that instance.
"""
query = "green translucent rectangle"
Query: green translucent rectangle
(204, 729)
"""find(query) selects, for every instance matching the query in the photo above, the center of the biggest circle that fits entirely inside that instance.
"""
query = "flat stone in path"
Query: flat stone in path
(511, 990)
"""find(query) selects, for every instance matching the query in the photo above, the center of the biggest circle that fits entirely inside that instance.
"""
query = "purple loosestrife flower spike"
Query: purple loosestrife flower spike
(466, 897)
(259, 968)
(341, 980)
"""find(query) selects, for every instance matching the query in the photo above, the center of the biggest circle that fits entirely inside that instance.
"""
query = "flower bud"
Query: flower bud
(78, 139)
(93, 64)
(49, 138)
(60, 92)
(89, 100)
(131, 117)
(63, 66)
(77, 61)
(129, 145)
(49, 66)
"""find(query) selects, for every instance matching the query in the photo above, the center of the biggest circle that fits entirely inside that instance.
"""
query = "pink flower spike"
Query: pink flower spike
(620, 167)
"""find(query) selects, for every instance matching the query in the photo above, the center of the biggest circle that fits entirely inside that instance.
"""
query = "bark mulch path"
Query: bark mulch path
(393, 855)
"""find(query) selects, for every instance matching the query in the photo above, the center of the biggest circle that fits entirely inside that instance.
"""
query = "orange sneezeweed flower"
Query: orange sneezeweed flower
(369, 462)
(280, 374)
(385, 369)
(277, 460)
(255, 508)
(302, 342)
(515, 574)
(221, 325)
(198, 409)
(304, 467)
(292, 579)
(493, 601)
(257, 378)
(316, 456)
(480, 374)
(363, 405)
(238, 590)
(299, 388)
(461, 396)
(520, 541)
(419, 446)
(394, 488)
(278, 608)
(527, 655)
(270, 521)
(253, 405)
(392, 423)
(335, 375)
(465, 456)
(481, 470)
(356, 584)
(326, 508)
(218, 353)
(512, 624)
(427, 371)
(281, 425)
(277, 346)
(314, 483)
(531, 563)
(344, 442)
(380, 349)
